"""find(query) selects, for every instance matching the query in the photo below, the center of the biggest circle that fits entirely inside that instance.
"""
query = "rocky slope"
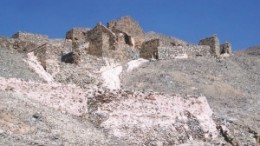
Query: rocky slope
(184, 101)
(154, 103)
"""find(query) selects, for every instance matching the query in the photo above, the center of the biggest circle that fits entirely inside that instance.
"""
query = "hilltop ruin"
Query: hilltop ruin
(121, 40)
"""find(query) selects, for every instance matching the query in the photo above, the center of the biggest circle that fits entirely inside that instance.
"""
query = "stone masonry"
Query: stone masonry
(103, 42)
(40, 52)
(150, 49)
(127, 25)
(225, 48)
(30, 37)
(121, 40)
(160, 49)
(77, 34)
(165, 40)
(100, 38)
(130, 27)
(213, 42)
(172, 52)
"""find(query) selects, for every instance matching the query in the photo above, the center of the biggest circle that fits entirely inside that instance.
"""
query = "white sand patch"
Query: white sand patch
(110, 75)
(135, 64)
(37, 67)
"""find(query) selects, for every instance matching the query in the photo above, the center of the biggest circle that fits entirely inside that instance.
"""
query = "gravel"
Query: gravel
(13, 66)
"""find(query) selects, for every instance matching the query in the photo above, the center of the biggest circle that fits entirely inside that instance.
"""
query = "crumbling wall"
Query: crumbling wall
(127, 25)
(36, 38)
(123, 37)
(55, 49)
(77, 34)
(213, 42)
(103, 42)
(171, 52)
(97, 43)
(23, 42)
(149, 49)
(165, 40)
(17, 44)
(226, 48)
(24, 46)
(40, 53)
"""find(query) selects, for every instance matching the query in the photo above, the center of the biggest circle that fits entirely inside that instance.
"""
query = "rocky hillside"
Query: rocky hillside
(94, 98)
(253, 51)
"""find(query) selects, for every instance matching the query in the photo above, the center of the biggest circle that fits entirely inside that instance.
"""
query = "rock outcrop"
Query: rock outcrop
(142, 119)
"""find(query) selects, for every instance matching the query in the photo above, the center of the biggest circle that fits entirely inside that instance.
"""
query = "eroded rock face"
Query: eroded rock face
(142, 118)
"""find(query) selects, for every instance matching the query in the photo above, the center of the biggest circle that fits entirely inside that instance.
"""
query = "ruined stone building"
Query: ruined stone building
(215, 47)
(127, 25)
(114, 41)
(150, 49)
(213, 42)
(124, 39)
(158, 49)
(121, 40)
(77, 34)
(130, 27)
(161, 47)
(225, 48)
(30, 37)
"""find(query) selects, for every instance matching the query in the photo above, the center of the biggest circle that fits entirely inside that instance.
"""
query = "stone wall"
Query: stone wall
(23, 42)
(55, 49)
(98, 38)
(40, 52)
(123, 37)
(127, 25)
(149, 49)
(225, 48)
(172, 52)
(30, 37)
(119, 51)
(77, 34)
(104, 42)
(165, 40)
(213, 42)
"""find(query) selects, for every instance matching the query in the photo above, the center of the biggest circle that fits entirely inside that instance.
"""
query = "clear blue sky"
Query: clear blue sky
(237, 21)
